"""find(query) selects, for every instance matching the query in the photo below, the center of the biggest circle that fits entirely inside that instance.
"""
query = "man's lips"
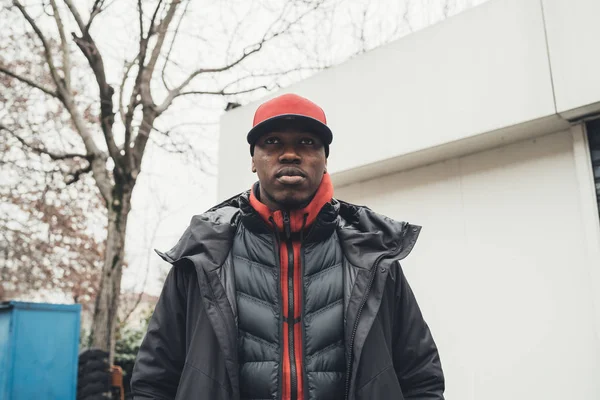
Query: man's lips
(290, 171)
(290, 179)
(290, 176)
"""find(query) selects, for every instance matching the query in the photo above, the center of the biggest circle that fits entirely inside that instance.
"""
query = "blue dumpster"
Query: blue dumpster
(39, 345)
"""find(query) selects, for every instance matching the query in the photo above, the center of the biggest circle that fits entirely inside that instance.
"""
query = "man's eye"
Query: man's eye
(271, 140)
(308, 141)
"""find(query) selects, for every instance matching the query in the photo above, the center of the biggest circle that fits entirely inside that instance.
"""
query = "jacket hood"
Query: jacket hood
(366, 235)
(208, 238)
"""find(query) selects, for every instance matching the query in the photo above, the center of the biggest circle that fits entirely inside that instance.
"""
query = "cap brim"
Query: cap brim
(287, 121)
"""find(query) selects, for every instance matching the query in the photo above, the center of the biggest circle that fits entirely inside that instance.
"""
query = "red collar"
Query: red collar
(323, 196)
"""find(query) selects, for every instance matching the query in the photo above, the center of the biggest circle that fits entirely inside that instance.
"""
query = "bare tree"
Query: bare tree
(113, 152)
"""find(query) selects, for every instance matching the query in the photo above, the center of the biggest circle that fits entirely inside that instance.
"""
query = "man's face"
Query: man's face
(290, 165)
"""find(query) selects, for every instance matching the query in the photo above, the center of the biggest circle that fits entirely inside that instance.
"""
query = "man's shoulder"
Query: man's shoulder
(358, 224)
(209, 232)
(226, 211)
(235, 201)
(363, 217)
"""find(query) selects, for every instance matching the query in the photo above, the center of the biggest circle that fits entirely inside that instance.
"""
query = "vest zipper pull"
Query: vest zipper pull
(286, 225)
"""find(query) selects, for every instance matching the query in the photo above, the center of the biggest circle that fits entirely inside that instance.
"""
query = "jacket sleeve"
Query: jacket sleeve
(161, 356)
(416, 359)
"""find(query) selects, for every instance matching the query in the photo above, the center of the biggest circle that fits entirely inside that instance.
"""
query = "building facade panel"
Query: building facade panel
(501, 268)
(573, 32)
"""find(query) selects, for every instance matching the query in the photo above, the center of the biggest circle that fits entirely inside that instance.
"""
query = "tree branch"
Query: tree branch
(177, 91)
(47, 52)
(127, 118)
(43, 150)
(102, 178)
(75, 175)
(83, 27)
(96, 9)
(233, 37)
(128, 66)
(142, 87)
(89, 49)
(168, 55)
(29, 82)
(148, 117)
(64, 46)
(221, 92)
(77, 16)
(153, 19)
(256, 48)
(141, 19)
(161, 34)
(135, 92)
(225, 92)
(172, 94)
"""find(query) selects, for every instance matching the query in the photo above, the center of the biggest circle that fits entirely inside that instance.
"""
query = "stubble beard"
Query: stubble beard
(288, 202)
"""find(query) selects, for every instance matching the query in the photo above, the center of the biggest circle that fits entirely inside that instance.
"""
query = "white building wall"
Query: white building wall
(501, 269)
(483, 70)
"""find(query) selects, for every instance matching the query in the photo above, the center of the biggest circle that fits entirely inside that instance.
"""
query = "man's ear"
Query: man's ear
(253, 167)
(324, 172)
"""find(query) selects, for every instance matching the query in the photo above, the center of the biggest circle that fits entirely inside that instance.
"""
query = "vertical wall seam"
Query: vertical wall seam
(548, 55)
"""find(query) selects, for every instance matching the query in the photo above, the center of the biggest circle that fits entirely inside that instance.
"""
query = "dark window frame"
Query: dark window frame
(593, 135)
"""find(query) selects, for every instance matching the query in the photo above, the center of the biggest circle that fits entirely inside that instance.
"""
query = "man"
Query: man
(284, 292)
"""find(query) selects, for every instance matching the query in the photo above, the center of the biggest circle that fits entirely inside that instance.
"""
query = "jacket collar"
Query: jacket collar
(317, 219)
(366, 235)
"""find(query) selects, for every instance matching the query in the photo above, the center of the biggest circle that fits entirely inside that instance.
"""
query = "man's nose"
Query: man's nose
(289, 155)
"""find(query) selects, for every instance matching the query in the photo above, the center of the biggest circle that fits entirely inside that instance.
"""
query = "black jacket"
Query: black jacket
(190, 350)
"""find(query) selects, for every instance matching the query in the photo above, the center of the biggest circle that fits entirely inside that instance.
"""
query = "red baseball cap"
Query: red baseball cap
(290, 110)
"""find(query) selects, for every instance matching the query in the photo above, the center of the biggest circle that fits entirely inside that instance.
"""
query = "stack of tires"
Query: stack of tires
(94, 376)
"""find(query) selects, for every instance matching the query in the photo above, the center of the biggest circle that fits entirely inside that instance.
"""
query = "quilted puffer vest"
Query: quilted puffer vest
(261, 343)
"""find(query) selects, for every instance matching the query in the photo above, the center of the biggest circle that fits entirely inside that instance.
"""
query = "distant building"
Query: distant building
(482, 129)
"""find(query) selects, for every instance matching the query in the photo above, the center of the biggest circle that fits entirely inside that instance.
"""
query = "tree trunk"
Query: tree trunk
(104, 324)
